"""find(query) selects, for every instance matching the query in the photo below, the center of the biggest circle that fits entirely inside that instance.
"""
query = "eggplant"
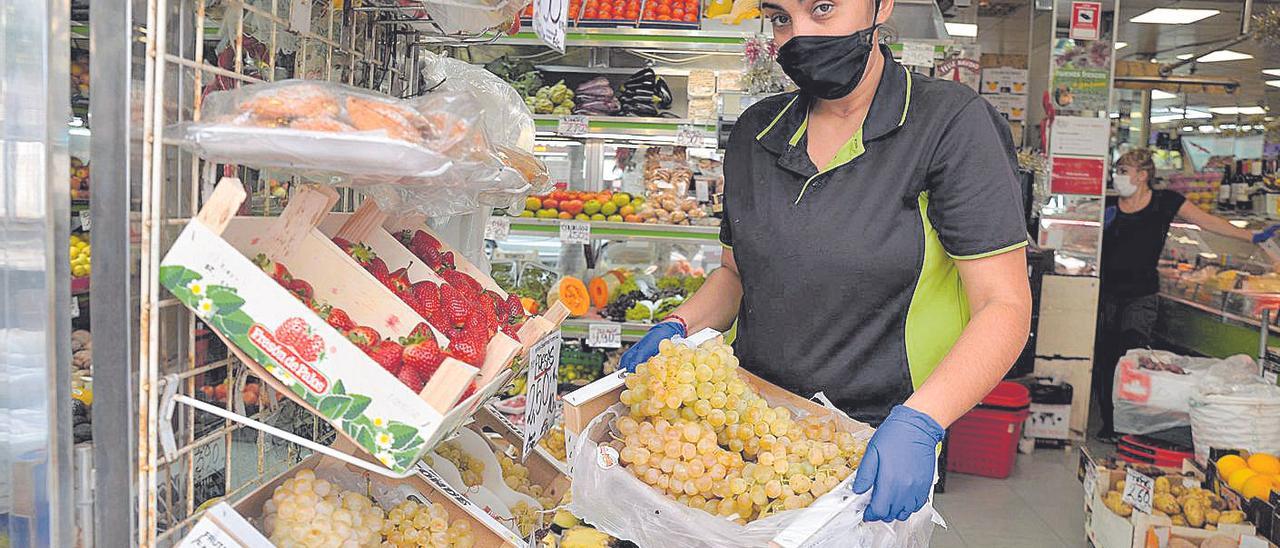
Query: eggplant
(589, 94)
(647, 88)
(597, 83)
(644, 75)
(601, 106)
(664, 94)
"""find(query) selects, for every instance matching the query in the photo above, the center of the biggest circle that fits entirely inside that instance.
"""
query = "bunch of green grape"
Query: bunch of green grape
(516, 476)
(471, 468)
(414, 525)
(698, 431)
(309, 512)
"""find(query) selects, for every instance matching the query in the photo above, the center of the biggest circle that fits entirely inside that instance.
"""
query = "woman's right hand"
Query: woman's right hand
(647, 347)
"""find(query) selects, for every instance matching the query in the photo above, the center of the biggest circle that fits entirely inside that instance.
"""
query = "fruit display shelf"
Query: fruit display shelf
(576, 328)
(604, 230)
(629, 128)
(721, 38)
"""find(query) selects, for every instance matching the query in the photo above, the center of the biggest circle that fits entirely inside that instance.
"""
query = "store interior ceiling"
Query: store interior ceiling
(1004, 27)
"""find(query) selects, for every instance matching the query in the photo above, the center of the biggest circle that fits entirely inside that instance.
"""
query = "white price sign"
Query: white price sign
(573, 125)
(497, 228)
(690, 136)
(917, 54)
(222, 527)
(1090, 482)
(540, 402)
(575, 232)
(75, 307)
(549, 18)
(300, 16)
(86, 223)
(1138, 489)
(604, 335)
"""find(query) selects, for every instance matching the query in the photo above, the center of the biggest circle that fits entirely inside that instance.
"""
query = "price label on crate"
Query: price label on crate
(549, 19)
(1138, 488)
(300, 16)
(690, 136)
(86, 223)
(604, 335)
(497, 228)
(572, 126)
(540, 402)
(222, 527)
(75, 307)
(575, 232)
(1090, 481)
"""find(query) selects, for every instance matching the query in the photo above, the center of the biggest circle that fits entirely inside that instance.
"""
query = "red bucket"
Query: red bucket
(984, 442)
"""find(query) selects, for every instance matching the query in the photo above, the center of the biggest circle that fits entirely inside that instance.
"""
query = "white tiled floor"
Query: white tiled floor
(1040, 505)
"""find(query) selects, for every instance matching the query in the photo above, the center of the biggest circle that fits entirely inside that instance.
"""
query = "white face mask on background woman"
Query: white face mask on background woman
(1123, 185)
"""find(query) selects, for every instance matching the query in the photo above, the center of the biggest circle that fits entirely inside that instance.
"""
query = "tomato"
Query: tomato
(632, 14)
(691, 17)
(664, 9)
(678, 14)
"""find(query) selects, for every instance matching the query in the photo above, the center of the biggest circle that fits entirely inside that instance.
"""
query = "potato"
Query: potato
(1231, 516)
(1194, 511)
(1180, 543)
(1176, 490)
(1114, 501)
(1179, 520)
(1162, 484)
(1119, 485)
(1211, 516)
(1166, 503)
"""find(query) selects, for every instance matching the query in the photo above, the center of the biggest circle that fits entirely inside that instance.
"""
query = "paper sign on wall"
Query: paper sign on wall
(1085, 20)
(1073, 175)
(1080, 136)
(917, 54)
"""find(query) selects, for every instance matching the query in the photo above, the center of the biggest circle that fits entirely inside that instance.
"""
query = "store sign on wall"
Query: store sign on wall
(961, 69)
(1071, 175)
(1085, 20)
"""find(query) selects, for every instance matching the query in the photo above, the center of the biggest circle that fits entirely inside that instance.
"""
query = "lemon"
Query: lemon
(1263, 463)
(1230, 463)
(1238, 478)
(1258, 486)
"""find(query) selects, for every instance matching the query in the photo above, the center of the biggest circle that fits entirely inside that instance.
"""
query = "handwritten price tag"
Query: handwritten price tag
(917, 54)
(222, 527)
(604, 335)
(690, 136)
(540, 403)
(1138, 489)
(572, 126)
(497, 228)
(575, 232)
(86, 222)
(549, 18)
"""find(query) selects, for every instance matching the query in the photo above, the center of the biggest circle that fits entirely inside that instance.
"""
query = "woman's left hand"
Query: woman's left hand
(899, 463)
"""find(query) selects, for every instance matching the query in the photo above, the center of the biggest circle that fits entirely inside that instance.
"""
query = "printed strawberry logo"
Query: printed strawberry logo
(295, 333)
(310, 348)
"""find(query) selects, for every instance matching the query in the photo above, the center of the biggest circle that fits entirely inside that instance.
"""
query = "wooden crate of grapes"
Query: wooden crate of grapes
(324, 502)
(345, 333)
(715, 456)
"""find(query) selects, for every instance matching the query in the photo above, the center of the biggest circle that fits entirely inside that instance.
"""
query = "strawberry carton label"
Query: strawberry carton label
(268, 326)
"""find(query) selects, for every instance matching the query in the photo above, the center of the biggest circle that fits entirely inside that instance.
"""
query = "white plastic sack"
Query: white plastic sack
(1233, 408)
(616, 502)
(1149, 400)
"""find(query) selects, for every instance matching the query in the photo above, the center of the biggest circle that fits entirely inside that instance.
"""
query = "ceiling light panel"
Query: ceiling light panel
(1157, 95)
(1173, 16)
(1224, 55)
(967, 30)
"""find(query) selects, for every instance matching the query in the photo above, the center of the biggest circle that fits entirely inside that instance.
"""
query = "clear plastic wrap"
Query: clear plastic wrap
(1153, 389)
(1233, 408)
(507, 120)
(472, 17)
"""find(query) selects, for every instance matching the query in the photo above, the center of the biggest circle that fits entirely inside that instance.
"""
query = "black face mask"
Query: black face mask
(827, 67)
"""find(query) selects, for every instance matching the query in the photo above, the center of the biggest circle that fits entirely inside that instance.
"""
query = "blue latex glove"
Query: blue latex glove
(1265, 234)
(647, 347)
(899, 463)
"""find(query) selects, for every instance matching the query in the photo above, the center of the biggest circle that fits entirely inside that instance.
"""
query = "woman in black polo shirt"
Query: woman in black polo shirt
(873, 239)
(1133, 237)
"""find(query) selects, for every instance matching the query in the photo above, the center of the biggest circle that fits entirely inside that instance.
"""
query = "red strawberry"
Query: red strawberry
(471, 389)
(292, 332)
(426, 296)
(378, 268)
(454, 306)
(343, 244)
(469, 347)
(423, 355)
(409, 377)
(301, 289)
(339, 319)
(367, 259)
(274, 269)
(466, 284)
(388, 354)
(421, 330)
(512, 330)
(310, 348)
(480, 321)
(423, 240)
(446, 262)
(515, 309)
(364, 337)
(398, 282)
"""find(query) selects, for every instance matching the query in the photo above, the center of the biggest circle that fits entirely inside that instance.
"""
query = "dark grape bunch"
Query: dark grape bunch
(617, 310)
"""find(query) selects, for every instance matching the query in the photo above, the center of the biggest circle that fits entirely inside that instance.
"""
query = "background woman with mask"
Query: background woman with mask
(1135, 228)
(873, 244)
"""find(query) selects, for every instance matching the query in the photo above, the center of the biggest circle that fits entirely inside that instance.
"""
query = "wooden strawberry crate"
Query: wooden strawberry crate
(485, 530)
(210, 268)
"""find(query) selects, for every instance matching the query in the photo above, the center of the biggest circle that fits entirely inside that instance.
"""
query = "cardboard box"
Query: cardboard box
(209, 268)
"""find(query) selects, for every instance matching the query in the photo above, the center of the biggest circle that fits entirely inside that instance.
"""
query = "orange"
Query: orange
(1230, 463)
(1258, 486)
(1263, 463)
(1238, 478)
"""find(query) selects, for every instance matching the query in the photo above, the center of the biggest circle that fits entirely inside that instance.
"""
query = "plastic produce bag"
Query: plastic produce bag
(611, 499)
(507, 120)
(1153, 389)
(473, 17)
(1233, 408)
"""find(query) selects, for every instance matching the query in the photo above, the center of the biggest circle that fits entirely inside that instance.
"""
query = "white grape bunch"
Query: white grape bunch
(413, 525)
(307, 512)
(471, 468)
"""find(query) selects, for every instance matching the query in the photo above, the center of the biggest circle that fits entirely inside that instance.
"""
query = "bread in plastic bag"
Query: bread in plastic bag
(614, 501)
(1233, 408)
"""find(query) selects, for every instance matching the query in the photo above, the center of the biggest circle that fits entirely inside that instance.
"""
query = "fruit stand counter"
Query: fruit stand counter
(1204, 330)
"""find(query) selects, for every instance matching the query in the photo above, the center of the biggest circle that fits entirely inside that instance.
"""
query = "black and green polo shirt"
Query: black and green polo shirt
(849, 272)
